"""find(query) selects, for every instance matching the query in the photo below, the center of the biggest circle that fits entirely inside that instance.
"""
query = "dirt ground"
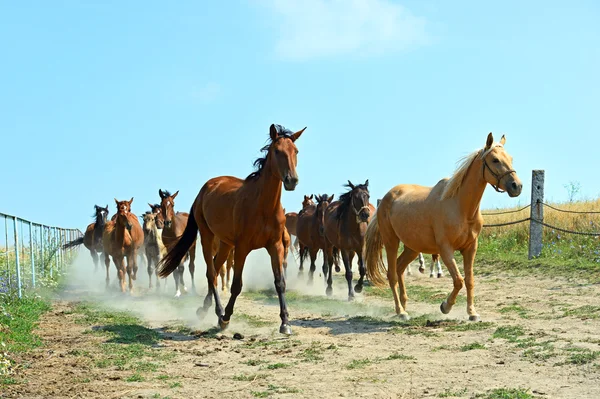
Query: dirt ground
(540, 337)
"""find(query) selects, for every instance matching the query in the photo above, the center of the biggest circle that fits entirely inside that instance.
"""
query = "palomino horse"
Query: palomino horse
(245, 214)
(438, 220)
(92, 238)
(345, 228)
(153, 245)
(311, 234)
(122, 238)
(174, 225)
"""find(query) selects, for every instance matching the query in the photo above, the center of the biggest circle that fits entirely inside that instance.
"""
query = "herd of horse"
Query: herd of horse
(236, 216)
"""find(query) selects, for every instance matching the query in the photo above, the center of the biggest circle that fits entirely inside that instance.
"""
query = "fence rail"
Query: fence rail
(32, 251)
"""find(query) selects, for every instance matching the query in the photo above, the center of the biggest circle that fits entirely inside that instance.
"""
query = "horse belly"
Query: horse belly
(413, 227)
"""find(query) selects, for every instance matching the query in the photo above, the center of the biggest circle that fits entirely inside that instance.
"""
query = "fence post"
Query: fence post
(6, 247)
(18, 265)
(31, 255)
(378, 202)
(42, 263)
(537, 213)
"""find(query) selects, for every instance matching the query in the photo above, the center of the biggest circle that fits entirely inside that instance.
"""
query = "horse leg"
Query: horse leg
(361, 271)
(222, 271)
(435, 259)
(447, 254)
(150, 269)
(407, 256)
(421, 263)
(95, 259)
(328, 254)
(131, 259)
(276, 251)
(107, 264)
(391, 249)
(236, 287)
(192, 266)
(468, 260)
(134, 266)
(313, 257)
(120, 271)
(348, 267)
(229, 267)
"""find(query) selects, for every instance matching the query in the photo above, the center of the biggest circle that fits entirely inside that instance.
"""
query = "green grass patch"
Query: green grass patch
(472, 346)
(18, 319)
(276, 366)
(584, 312)
(248, 377)
(399, 356)
(252, 321)
(448, 393)
(516, 309)
(506, 393)
(175, 385)
(359, 364)
(509, 333)
(254, 362)
(470, 326)
(135, 378)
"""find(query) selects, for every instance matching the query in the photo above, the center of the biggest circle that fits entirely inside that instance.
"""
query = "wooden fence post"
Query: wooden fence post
(537, 213)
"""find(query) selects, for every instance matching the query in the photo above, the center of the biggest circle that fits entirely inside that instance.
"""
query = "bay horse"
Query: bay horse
(311, 234)
(345, 227)
(122, 238)
(92, 238)
(174, 225)
(245, 214)
(438, 220)
(153, 245)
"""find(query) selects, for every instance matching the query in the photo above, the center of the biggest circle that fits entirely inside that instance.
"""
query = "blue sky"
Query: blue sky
(104, 99)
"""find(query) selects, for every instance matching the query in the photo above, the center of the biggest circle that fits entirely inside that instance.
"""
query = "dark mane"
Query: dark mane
(321, 198)
(166, 193)
(260, 163)
(99, 223)
(345, 200)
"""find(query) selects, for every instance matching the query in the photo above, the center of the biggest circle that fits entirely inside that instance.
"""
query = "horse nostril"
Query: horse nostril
(515, 186)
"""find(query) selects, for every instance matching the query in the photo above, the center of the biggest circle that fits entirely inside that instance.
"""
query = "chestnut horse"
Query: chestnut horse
(438, 220)
(153, 245)
(174, 225)
(345, 228)
(122, 238)
(311, 234)
(245, 214)
(435, 262)
(92, 238)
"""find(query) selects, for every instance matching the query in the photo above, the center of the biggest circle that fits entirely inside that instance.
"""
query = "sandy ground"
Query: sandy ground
(541, 335)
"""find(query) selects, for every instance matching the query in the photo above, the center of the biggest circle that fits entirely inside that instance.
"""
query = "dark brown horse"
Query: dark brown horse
(174, 225)
(345, 228)
(311, 234)
(122, 238)
(245, 214)
(92, 238)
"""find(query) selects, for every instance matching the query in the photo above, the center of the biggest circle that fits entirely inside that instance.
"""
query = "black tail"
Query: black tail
(74, 243)
(303, 253)
(173, 258)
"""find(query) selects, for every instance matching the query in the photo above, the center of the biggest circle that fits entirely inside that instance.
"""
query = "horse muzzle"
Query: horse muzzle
(363, 216)
(168, 224)
(290, 183)
(514, 188)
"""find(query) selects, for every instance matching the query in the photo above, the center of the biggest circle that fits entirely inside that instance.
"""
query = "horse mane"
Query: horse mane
(166, 193)
(345, 200)
(259, 163)
(99, 223)
(454, 183)
(321, 198)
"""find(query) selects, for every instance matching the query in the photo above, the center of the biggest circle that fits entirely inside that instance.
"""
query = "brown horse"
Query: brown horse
(153, 245)
(245, 214)
(438, 220)
(92, 238)
(345, 228)
(122, 238)
(311, 234)
(174, 225)
(435, 262)
(291, 220)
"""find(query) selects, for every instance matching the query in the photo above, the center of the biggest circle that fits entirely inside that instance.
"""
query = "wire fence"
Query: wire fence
(31, 254)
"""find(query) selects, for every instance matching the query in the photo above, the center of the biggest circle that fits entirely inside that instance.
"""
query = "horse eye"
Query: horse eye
(296, 152)
(277, 152)
(496, 160)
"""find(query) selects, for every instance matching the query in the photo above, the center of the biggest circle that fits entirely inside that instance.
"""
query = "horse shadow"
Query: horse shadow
(137, 334)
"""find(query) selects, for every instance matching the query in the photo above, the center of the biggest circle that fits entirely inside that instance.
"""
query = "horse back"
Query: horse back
(215, 205)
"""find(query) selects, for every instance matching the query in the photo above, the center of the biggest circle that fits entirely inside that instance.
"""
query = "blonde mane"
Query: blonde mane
(455, 182)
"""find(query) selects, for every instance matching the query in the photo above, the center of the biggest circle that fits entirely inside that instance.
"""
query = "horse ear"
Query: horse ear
(160, 192)
(367, 183)
(311, 197)
(490, 141)
(330, 198)
(350, 185)
(273, 132)
(116, 202)
(503, 140)
(297, 135)
(175, 195)
(131, 200)
(150, 205)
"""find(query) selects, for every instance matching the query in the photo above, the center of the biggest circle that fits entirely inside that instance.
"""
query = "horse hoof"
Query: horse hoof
(285, 329)
(223, 324)
(439, 275)
(350, 298)
(358, 288)
(337, 269)
(200, 313)
(329, 291)
(431, 275)
(443, 308)
(404, 317)
(474, 317)
(177, 294)
(422, 270)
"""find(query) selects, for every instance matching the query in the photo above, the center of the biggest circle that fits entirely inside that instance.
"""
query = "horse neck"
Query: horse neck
(471, 191)
(268, 188)
(119, 232)
(99, 224)
(152, 233)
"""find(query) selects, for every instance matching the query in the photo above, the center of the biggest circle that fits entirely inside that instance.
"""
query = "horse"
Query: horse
(174, 225)
(92, 238)
(435, 262)
(291, 220)
(311, 234)
(122, 238)
(438, 220)
(153, 245)
(245, 214)
(345, 226)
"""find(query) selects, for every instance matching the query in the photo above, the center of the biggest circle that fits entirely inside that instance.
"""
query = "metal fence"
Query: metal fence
(31, 253)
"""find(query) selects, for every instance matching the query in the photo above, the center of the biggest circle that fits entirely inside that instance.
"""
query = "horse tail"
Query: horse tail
(173, 258)
(373, 254)
(75, 243)
(336, 256)
(303, 253)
